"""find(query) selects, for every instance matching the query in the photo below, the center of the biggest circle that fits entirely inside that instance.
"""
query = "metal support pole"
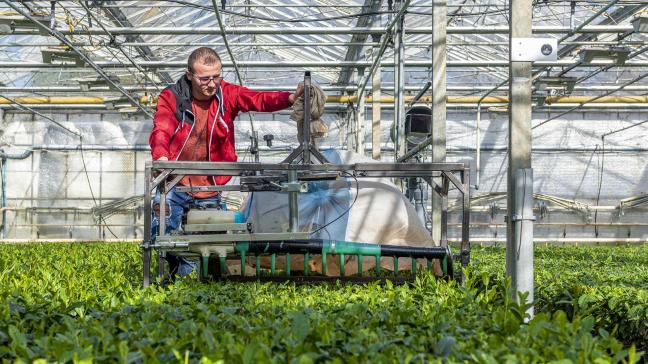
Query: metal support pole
(518, 265)
(146, 251)
(307, 119)
(439, 58)
(162, 226)
(445, 186)
(465, 219)
(375, 105)
(360, 118)
(293, 208)
(478, 147)
(3, 198)
(399, 88)
(522, 221)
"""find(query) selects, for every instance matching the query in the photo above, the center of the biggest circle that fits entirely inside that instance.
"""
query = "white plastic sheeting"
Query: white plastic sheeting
(364, 210)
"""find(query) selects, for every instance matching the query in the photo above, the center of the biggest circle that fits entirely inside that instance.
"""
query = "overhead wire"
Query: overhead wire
(112, 42)
(231, 55)
(58, 35)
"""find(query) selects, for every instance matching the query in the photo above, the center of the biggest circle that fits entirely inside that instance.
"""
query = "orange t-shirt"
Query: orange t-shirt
(197, 146)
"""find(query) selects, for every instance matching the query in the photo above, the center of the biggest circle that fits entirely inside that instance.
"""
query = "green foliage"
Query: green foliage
(83, 303)
(609, 284)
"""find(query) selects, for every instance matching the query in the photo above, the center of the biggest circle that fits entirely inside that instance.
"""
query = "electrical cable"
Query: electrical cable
(85, 170)
(347, 210)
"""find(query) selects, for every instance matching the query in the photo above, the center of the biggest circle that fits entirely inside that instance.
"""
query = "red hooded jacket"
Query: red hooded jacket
(173, 121)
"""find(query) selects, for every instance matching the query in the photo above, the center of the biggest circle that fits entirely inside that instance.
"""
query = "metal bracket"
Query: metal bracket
(294, 187)
(515, 218)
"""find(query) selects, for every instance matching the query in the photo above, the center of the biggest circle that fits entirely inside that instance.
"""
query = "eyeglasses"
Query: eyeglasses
(207, 79)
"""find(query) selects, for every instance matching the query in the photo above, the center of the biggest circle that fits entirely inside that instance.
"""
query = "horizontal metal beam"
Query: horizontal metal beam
(499, 107)
(9, 90)
(451, 99)
(228, 238)
(500, 63)
(287, 44)
(209, 168)
(493, 29)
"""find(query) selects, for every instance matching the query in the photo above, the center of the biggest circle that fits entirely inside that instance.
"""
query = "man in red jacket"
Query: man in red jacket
(194, 121)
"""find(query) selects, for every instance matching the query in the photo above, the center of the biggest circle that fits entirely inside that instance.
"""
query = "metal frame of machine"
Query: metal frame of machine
(289, 178)
(235, 238)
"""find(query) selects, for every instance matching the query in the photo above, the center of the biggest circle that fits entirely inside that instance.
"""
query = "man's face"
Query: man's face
(204, 80)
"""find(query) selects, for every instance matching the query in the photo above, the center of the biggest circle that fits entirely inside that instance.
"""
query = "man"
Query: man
(194, 121)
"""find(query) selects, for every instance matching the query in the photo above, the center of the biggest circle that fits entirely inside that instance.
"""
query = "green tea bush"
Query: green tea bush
(84, 302)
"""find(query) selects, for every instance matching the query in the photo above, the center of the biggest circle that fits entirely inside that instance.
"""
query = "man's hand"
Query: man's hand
(163, 158)
(298, 92)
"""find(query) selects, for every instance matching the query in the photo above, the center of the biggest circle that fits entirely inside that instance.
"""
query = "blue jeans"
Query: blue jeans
(178, 203)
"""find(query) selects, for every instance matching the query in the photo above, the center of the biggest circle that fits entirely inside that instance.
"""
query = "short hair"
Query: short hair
(206, 55)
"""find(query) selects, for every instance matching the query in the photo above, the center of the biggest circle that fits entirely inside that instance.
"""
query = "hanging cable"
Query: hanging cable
(112, 41)
(345, 211)
(231, 55)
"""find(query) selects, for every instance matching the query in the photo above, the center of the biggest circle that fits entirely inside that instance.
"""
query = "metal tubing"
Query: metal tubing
(306, 142)
(376, 111)
(445, 185)
(520, 256)
(350, 87)
(288, 44)
(496, 63)
(360, 118)
(293, 207)
(439, 113)
(588, 20)
(498, 107)
(115, 44)
(265, 30)
(146, 250)
(399, 84)
(451, 99)
(592, 99)
(519, 156)
(376, 63)
(55, 33)
(478, 147)
(465, 219)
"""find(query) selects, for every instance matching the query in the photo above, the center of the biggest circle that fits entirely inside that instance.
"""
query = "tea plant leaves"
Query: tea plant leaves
(84, 303)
